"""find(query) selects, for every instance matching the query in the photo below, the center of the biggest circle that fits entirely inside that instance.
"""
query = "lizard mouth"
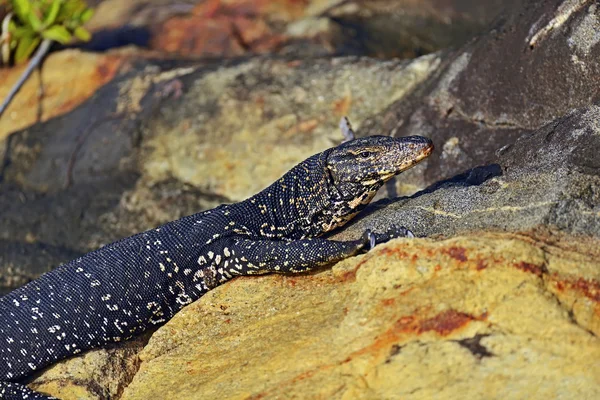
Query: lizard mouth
(406, 164)
(425, 152)
(410, 154)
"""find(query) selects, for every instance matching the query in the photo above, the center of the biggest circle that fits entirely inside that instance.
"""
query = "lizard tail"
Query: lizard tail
(16, 391)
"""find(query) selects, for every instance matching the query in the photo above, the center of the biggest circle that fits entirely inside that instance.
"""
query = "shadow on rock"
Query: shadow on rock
(122, 36)
(548, 179)
(472, 177)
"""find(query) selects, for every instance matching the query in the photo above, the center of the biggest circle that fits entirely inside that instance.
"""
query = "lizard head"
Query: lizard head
(359, 167)
(328, 189)
(371, 161)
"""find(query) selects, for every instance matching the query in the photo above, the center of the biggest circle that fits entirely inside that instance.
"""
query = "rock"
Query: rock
(226, 29)
(230, 28)
(463, 317)
(229, 120)
(111, 168)
(538, 62)
(53, 93)
(22, 262)
(407, 29)
(115, 14)
(96, 375)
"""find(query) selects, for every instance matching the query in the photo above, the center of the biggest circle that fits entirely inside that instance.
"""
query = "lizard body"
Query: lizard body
(121, 289)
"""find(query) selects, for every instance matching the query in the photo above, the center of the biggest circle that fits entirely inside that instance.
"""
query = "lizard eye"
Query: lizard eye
(364, 154)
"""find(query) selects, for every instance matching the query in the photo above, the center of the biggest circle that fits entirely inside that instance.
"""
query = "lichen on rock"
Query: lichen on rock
(463, 317)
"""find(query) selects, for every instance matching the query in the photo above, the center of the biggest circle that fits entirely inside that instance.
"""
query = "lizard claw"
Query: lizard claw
(372, 239)
(406, 233)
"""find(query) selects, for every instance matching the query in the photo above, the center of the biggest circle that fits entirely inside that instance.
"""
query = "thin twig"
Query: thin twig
(5, 38)
(33, 63)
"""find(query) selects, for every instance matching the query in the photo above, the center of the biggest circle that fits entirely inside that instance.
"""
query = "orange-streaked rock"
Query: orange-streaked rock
(220, 35)
(420, 319)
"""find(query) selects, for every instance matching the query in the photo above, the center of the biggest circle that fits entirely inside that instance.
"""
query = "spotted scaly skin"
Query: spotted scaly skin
(122, 289)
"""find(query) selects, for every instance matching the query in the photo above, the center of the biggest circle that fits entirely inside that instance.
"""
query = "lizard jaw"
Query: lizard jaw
(416, 158)
(407, 163)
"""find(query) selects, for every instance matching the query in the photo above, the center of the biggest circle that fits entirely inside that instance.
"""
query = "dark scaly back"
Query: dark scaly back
(121, 289)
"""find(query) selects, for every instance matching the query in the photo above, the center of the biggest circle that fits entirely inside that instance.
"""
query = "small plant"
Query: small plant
(34, 24)
(32, 21)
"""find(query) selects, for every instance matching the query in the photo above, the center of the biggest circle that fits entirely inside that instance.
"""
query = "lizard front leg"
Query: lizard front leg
(235, 256)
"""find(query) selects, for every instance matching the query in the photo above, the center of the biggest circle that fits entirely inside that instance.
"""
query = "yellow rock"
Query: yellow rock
(478, 317)
(95, 375)
(245, 133)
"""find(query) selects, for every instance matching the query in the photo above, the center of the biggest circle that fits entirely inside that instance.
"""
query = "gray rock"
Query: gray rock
(384, 28)
(548, 179)
(538, 61)
(21, 262)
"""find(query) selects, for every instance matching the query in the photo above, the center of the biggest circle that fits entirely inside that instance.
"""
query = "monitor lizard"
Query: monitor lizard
(123, 288)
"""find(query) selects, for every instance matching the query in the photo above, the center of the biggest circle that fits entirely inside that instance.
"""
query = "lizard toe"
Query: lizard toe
(372, 239)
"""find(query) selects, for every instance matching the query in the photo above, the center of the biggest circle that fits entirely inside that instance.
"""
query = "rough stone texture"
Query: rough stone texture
(433, 315)
(115, 14)
(229, 121)
(22, 262)
(96, 375)
(549, 178)
(538, 61)
(494, 316)
(408, 28)
(154, 145)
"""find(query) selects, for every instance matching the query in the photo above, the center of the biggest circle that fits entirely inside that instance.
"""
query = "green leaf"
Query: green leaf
(34, 21)
(22, 9)
(53, 12)
(18, 32)
(82, 34)
(86, 15)
(70, 9)
(25, 47)
(58, 33)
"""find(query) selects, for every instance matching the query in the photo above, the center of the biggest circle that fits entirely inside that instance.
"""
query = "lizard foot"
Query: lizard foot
(392, 233)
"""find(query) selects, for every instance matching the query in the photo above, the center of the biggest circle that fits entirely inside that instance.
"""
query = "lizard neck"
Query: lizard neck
(289, 209)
